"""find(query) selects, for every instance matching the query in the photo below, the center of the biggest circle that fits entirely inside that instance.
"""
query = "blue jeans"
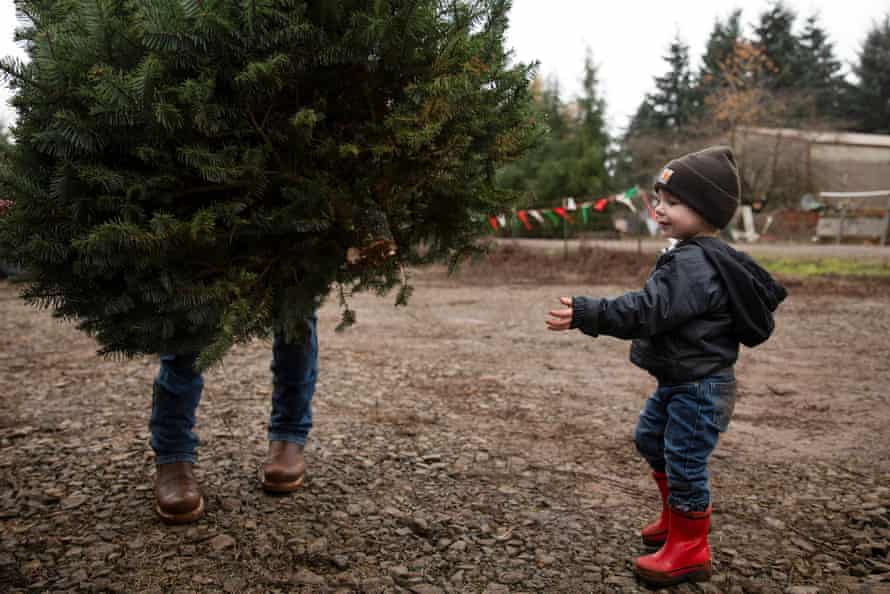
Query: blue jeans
(177, 392)
(677, 431)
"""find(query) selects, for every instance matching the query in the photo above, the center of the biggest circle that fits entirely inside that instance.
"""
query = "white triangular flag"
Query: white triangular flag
(623, 199)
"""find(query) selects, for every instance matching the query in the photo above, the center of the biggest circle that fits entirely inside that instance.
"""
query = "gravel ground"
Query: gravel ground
(458, 447)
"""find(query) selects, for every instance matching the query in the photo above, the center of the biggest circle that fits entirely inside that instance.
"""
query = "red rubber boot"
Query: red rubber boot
(685, 555)
(656, 533)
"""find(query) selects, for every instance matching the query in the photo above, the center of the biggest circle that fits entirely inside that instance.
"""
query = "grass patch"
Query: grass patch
(828, 267)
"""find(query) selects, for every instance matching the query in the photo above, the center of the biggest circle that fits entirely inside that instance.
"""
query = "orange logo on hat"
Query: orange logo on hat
(666, 174)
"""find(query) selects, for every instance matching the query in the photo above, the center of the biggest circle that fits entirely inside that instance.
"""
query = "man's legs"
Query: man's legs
(294, 369)
(175, 396)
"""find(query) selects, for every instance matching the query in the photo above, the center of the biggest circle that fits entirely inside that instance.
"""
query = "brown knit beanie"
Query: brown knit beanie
(706, 181)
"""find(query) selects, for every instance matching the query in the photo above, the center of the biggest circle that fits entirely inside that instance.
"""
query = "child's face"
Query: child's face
(676, 220)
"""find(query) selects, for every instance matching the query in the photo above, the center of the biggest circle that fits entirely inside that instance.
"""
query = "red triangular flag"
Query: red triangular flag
(524, 218)
(562, 212)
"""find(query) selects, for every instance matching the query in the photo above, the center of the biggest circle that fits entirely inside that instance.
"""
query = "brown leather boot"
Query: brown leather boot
(285, 467)
(179, 499)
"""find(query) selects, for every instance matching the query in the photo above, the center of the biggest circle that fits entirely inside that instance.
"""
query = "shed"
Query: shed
(849, 172)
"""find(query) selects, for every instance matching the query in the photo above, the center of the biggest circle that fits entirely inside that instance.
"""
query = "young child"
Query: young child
(700, 302)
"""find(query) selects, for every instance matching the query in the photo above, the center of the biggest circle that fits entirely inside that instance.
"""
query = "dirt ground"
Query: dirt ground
(458, 447)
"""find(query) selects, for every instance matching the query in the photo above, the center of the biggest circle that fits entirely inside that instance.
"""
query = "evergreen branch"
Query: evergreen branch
(11, 71)
(347, 317)
(268, 141)
(213, 188)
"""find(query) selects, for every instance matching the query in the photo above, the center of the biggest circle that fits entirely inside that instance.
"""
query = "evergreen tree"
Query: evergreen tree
(644, 119)
(589, 175)
(870, 96)
(188, 174)
(820, 69)
(524, 176)
(674, 102)
(720, 47)
(663, 120)
(774, 35)
(554, 109)
(592, 107)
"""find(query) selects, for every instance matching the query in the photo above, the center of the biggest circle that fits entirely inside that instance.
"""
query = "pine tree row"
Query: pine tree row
(784, 74)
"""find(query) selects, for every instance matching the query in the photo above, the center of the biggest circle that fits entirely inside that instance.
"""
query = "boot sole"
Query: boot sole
(696, 573)
(290, 487)
(183, 518)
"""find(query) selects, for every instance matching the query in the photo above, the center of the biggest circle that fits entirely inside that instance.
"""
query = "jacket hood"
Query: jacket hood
(753, 294)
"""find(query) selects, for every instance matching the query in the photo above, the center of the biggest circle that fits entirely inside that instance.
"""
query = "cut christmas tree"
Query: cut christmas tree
(190, 174)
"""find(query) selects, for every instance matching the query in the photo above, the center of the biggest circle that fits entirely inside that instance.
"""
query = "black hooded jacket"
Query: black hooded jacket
(700, 302)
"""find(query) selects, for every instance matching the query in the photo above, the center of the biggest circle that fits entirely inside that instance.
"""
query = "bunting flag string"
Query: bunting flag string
(634, 199)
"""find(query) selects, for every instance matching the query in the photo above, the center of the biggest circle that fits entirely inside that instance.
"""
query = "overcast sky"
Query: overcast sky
(628, 38)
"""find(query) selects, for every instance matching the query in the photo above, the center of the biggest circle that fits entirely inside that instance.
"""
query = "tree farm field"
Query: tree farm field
(458, 447)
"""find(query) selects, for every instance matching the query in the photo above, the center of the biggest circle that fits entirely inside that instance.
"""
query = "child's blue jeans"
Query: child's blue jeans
(678, 429)
(177, 392)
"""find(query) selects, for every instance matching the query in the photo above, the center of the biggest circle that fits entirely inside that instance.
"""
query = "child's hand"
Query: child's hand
(562, 318)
